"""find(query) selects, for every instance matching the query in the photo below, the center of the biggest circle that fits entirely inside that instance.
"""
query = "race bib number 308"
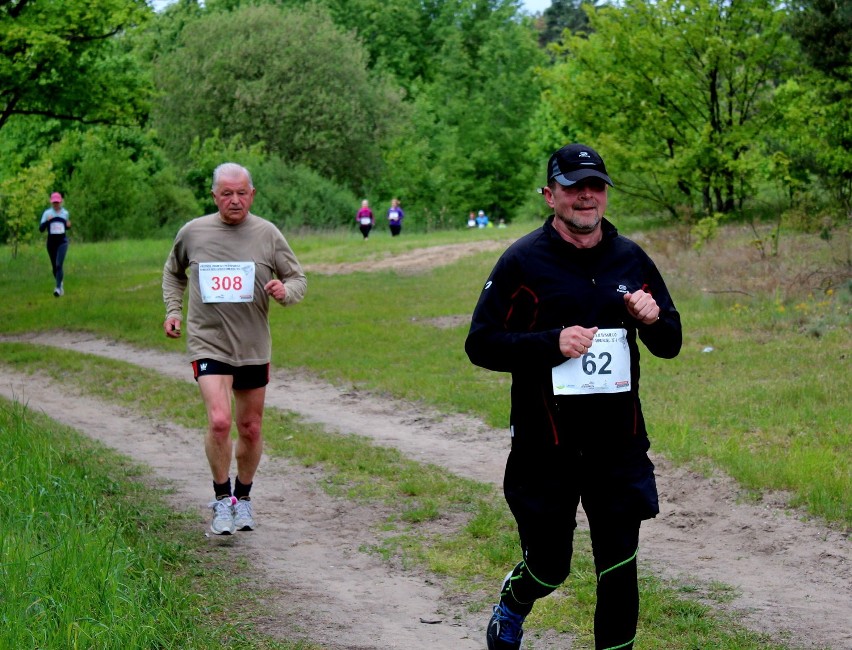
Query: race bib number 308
(226, 281)
(605, 368)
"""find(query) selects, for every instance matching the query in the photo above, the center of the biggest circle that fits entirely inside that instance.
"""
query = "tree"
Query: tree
(21, 196)
(399, 36)
(824, 31)
(818, 106)
(678, 96)
(66, 60)
(564, 15)
(287, 78)
(465, 146)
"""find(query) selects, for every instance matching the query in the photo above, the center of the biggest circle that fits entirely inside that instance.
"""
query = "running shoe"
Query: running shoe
(504, 629)
(57, 292)
(223, 516)
(243, 515)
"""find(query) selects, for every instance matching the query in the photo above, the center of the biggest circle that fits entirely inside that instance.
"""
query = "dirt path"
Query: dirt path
(411, 262)
(792, 578)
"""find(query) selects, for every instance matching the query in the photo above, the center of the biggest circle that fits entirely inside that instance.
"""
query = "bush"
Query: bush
(295, 196)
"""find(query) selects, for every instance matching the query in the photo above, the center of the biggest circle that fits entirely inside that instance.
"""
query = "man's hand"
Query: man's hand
(276, 289)
(642, 306)
(575, 341)
(172, 328)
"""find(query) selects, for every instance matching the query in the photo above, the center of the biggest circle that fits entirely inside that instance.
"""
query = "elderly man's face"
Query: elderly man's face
(233, 196)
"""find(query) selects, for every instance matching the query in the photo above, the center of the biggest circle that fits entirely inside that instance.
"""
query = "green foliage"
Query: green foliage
(165, 204)
(208, 153)
(290, 196)
(564, 15)
(704, 231)
(314, 102)
(816, 136)
(824, 30)
(141, 199)
(677, 96)
(465, 147)
(293, 196)
(700, 107)
(21, 196)
(398, 35)
(109, 212)
(66, 60)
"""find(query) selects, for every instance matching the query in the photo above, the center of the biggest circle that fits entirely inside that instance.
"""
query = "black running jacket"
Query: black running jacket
(542, 284)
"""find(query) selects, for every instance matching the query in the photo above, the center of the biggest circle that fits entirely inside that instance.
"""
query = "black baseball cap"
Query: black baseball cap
(573, 163)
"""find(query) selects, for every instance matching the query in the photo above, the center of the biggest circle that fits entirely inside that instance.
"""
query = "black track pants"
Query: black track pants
(546, 523)
(57, 259)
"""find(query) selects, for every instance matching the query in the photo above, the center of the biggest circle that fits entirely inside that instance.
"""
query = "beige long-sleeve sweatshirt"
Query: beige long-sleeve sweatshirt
(236, 333)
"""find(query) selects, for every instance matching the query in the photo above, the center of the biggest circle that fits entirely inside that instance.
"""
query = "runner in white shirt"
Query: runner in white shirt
(56, 221)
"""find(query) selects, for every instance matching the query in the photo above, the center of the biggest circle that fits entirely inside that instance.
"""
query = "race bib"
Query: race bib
(393, 216)
(226, 281)
(57, 228)
(605, 368)
(366, 221)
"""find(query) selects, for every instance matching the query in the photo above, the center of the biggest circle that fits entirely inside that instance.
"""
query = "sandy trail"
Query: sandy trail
(792, 577)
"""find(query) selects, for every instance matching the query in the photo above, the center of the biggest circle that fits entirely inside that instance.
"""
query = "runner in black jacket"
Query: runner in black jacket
(561, 311)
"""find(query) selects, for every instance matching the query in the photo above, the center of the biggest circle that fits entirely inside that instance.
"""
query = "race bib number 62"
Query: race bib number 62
(226, 281)
(605, 368)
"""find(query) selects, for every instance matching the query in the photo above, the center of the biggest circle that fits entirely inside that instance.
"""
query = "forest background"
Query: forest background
(705, 110)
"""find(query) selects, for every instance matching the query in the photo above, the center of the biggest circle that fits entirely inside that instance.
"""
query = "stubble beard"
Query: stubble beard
(578, 227)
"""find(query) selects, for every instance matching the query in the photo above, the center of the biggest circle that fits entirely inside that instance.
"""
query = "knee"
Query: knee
(249, 430)
(553, 573)
(219, 424)
(529, 583)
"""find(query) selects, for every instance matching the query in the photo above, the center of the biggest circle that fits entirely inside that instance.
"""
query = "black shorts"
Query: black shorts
(245, 377)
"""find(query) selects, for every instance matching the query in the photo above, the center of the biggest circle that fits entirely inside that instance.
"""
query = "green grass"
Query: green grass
(769, 404)
(91, 556)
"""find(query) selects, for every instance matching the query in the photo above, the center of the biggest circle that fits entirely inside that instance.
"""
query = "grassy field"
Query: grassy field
(761, 390)
(91, 556)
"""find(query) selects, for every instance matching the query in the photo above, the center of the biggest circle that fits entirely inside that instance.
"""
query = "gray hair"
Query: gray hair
(230, 169)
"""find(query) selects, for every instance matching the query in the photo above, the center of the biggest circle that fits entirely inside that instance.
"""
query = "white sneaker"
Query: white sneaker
(223, 516)
(243, 515)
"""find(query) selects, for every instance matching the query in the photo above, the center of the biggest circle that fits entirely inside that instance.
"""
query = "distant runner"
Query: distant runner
(57, 222)
(365, 219)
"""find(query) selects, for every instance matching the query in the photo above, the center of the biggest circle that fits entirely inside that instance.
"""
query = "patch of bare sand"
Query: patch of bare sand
(792, 578)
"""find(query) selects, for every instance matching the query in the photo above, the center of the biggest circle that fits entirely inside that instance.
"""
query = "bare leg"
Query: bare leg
(249, 416)
(216, 392)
